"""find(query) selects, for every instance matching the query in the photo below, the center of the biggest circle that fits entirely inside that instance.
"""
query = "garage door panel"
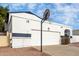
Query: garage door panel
(49, 38)
(17, 43)
(35, 38)
(21, 42)
(27, 42)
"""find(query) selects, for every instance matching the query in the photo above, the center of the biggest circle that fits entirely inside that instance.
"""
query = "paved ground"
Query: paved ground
(53, 50)
(60, 50)
(75, 44)
(20, 52)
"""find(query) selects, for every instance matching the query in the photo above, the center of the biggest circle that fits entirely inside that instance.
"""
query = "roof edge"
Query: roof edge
(26, 12)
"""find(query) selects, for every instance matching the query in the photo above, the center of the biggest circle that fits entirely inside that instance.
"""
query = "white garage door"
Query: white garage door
(49, 38)
(17, 43)
(20, 42)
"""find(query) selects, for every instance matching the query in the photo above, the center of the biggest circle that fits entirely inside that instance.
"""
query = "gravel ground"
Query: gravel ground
(29, 51)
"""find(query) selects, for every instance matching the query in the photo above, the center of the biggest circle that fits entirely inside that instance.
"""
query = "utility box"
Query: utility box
(65, 40)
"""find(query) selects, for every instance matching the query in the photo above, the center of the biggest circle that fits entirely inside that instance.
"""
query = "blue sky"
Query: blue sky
(64, 13)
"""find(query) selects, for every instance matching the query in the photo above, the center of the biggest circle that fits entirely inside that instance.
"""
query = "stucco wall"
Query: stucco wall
(4, 42)
(75, 38)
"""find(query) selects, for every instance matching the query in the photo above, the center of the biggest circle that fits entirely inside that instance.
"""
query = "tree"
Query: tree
(3, 15)
(1, 23)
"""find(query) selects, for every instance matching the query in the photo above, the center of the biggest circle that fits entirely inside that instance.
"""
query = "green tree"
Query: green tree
(1, 23)
(3, 15)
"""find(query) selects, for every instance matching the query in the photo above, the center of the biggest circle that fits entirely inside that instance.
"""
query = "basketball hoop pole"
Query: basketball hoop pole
(41, 34)
(45, 17)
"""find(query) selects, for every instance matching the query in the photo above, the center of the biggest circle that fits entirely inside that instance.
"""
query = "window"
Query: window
(21, 35)
(67, 32)
(28, 35)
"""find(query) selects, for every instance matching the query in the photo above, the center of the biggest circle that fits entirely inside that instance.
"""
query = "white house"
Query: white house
(24, 30)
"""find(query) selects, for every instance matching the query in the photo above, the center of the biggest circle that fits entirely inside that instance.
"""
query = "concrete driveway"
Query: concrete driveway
(27, 51)
(60, 50)
(51, 50)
